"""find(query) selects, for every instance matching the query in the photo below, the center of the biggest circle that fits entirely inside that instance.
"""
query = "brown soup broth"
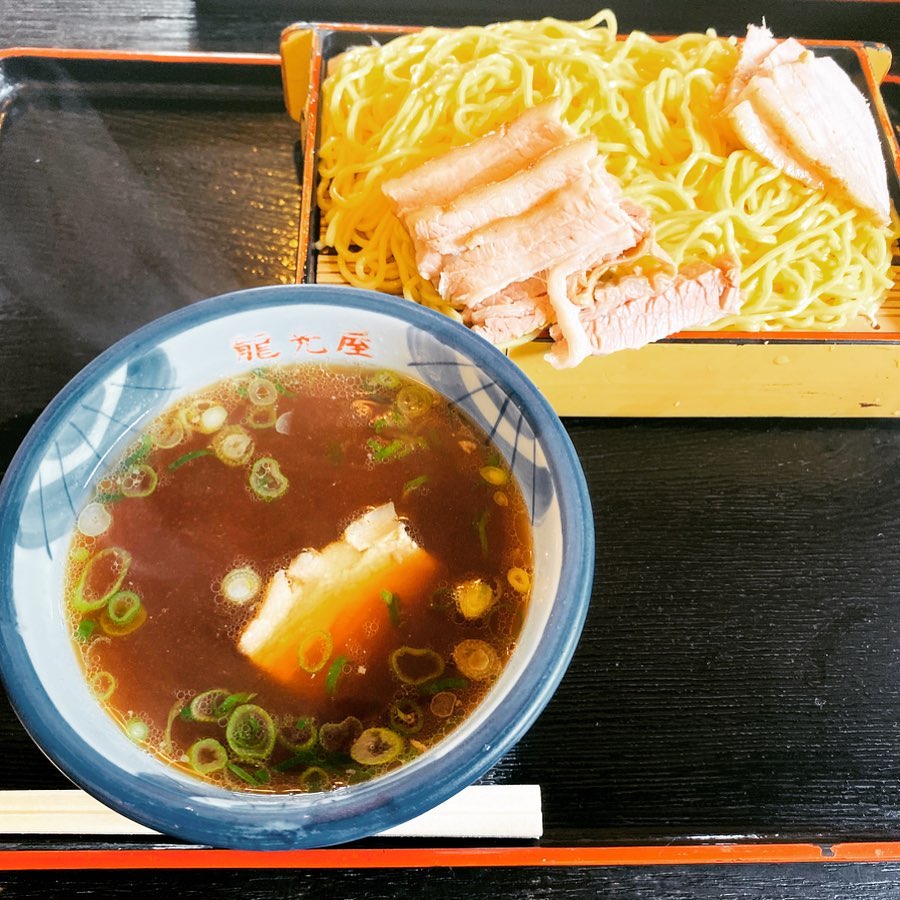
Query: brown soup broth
(182, 510)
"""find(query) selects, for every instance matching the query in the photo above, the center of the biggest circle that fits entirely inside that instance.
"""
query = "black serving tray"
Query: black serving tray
(739, 674)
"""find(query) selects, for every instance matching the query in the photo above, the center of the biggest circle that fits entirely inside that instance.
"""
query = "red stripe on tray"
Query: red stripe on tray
(494, 857)
(272, 59)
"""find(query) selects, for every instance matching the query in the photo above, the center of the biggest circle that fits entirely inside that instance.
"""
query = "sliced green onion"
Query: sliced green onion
(314, 651)
(205, 706)
(188, 457)
(138, 451)
(416, 665)
(407, 716)
(94, 520)
(414, 484)
(474, 597)
(250, 732)
(261, 417)
(166, 433)
(267, 480)
(115, 630)
(212, 419)
(191, 415)
(137, 729)
(414, 401)
(315, 778)
(89, 596)
(103, 684)
(207, 756)
(519, 579)
(442, 704)
(336, 737)
(334, 673)
(299, 737)
(385, 379)
(139, 481)
(233, 445)
(241, 585)
(85, 629)
(476, 659)
(381, 452)
(261, 392)
(392, 601)
(377, 746)
(494, 475)
(123, 607)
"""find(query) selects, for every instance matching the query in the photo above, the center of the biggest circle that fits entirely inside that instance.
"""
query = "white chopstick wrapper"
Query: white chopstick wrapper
(481, 811)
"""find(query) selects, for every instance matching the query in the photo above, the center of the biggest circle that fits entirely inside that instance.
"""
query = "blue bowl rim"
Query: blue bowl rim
(367, 812)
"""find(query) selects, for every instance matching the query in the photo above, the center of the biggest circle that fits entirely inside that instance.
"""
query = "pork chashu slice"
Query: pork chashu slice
(584, 223)
(438, 231)
(638, 309)
(804, 115)
(493, 157)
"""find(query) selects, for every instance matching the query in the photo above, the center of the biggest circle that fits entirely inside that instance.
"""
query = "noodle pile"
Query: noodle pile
(807, 259)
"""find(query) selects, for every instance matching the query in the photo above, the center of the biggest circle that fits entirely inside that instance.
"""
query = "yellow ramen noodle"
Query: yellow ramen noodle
(808, 259)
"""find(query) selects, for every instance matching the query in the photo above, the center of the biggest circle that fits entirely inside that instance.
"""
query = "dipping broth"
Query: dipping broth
(300, 578)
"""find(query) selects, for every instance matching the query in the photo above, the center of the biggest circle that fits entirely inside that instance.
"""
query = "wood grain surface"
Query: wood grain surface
(740, 669)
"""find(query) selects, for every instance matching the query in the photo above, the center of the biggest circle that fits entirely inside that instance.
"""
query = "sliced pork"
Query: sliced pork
(491, 158)
(581, 224)
(638, 309)
(519, 311)
(804, 115)
(522, 230)
(437, 231)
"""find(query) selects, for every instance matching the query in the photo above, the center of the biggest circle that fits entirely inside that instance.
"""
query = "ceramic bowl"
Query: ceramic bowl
(84, 430)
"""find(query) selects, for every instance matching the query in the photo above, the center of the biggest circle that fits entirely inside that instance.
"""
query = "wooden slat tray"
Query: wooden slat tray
(849, 372)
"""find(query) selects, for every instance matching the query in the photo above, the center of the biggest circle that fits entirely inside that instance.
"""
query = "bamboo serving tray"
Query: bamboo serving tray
(851, 372)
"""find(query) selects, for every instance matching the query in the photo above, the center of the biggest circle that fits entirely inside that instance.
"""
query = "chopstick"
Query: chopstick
(509, 811)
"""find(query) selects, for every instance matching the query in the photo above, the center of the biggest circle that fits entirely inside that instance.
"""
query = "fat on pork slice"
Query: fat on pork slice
(493, 157)
(638, 309)
(441, 230)
(804, 115)
(582, 224)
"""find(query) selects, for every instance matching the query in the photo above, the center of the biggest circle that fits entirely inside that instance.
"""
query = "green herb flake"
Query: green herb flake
(85, 629)
(243, 774)
(232, 701)
(188, 457)
(414, 484)
(392, 601)
(334, 674)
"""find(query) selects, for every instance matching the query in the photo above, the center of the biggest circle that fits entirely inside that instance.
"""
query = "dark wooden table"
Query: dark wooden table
(740, 670)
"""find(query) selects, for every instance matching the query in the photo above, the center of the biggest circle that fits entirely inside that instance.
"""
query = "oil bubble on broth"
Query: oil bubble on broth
(299, 578)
